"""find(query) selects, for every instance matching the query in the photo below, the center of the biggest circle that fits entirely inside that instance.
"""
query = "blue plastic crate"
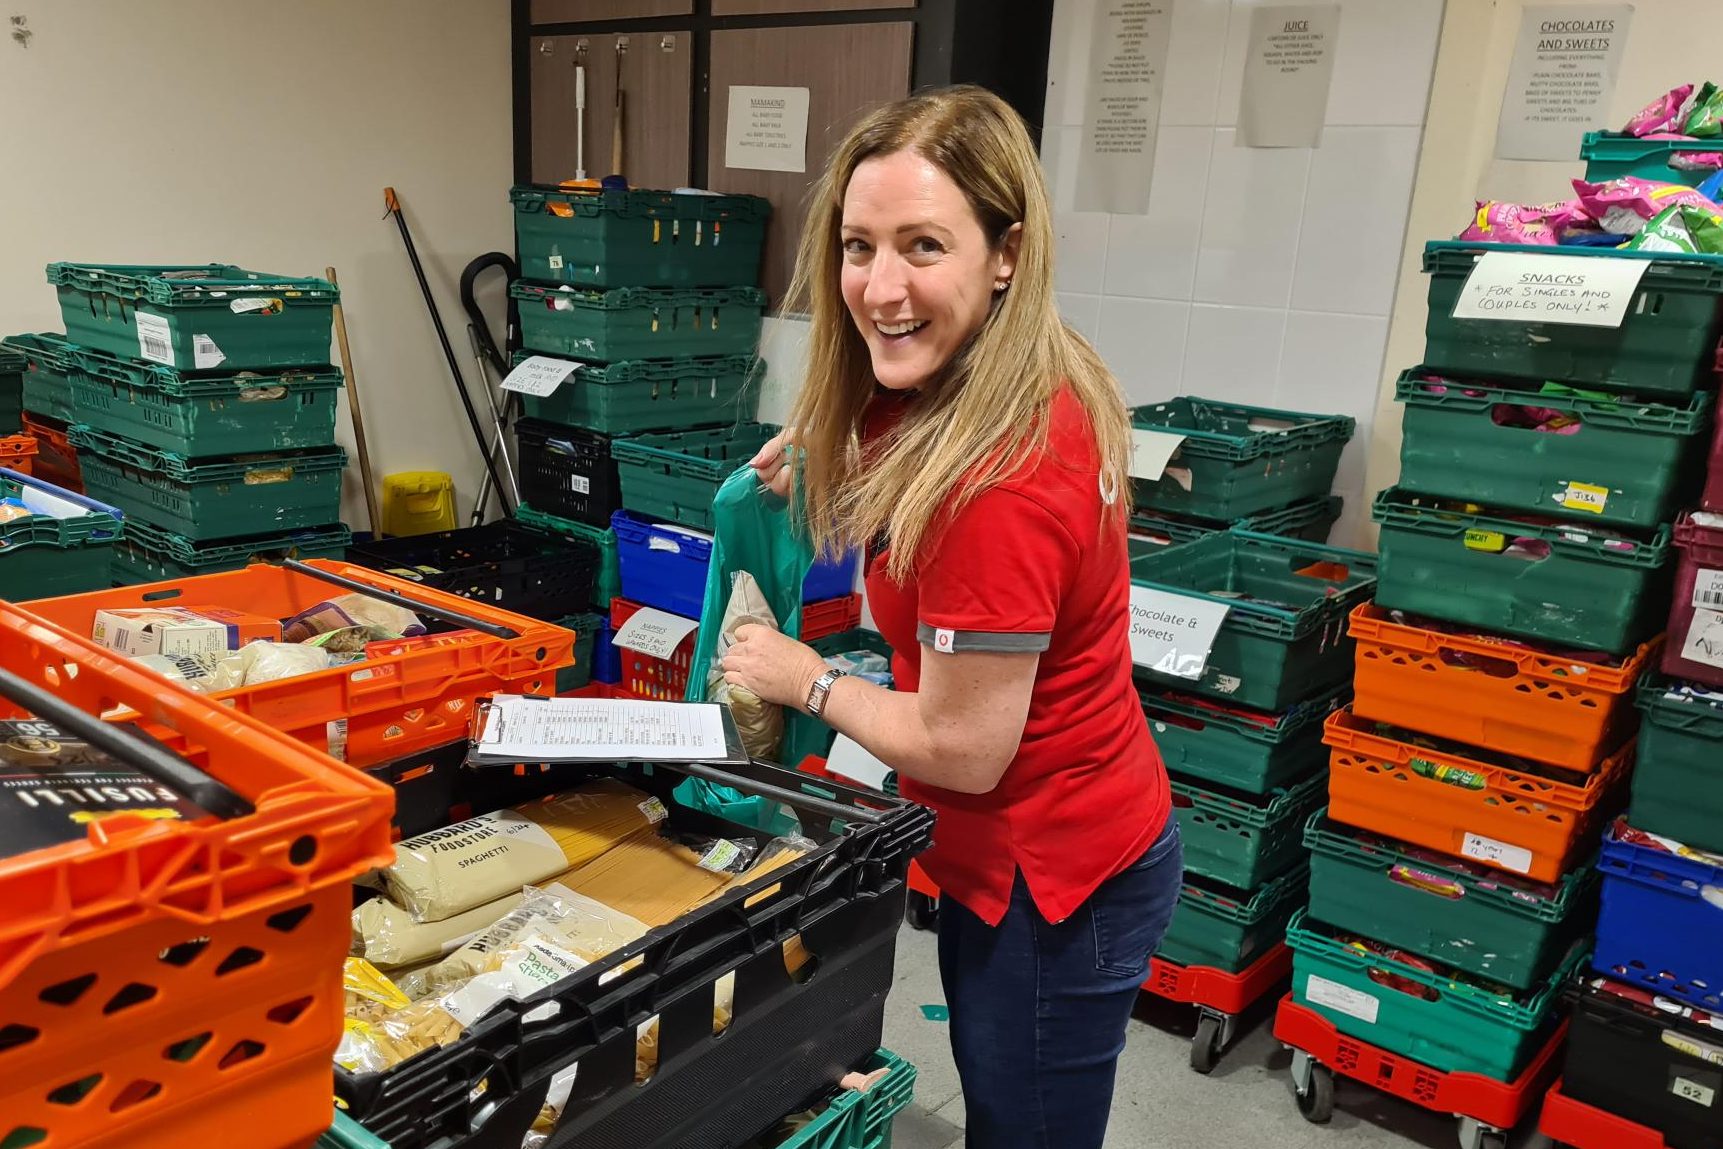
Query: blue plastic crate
(606, 659)
(663, 564)
(830, 578)
(1661, 925)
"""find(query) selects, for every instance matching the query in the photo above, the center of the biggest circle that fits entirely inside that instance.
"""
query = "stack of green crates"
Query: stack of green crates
(1242, 741)
(200, 402)
(652, 297)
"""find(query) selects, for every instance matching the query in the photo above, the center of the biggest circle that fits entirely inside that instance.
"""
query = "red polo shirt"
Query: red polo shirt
(1034, 565)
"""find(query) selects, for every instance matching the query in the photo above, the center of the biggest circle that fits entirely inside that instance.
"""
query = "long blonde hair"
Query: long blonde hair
(985, 418)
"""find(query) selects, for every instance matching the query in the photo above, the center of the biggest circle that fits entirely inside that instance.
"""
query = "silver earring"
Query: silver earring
(1001, 284)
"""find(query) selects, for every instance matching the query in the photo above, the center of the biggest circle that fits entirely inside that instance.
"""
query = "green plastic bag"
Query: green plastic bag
(752, 530)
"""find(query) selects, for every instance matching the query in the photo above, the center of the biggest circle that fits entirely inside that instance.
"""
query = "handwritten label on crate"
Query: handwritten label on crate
(1704, 639)
(1577, 290)
(654, 633)
(1342, 999)
(1584, 497)
(1172, 633)
(1151, 451)
(1497, 853)
(538, 375)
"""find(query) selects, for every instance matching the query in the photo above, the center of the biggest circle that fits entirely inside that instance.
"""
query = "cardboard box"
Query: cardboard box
(177, 630)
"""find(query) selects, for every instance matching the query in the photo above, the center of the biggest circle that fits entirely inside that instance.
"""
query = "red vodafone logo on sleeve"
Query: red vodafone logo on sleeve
(942, 640)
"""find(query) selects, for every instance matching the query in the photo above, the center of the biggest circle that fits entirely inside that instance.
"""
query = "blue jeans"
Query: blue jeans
(1038, 1009)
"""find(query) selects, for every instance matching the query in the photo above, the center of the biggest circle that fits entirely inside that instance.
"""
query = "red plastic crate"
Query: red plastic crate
(418, 696)
(1484, 1099)
(830, 616)
(18, 453)
(168, 983)
(56, 459)
(1712, 499)
(1228, 992)
(1582, 1126)
(665, 679)
(1694, 649)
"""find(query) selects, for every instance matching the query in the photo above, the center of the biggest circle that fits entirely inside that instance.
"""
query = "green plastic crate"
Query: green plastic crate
(1245, 839)
(1611, 155)
(208, 414)
(1481, 921)
(585, 627)
(196, 318)
(616, 237)
(1152, 531)
(675, 475)
(1466, 1028)
(205, 499)
(854, 1120)
(806, 735)
(1285, 641)
(1311, 520)
(861, 638)
(1678, 774)
(12, 366)
(651, 394)
(1243, 750)
(48, 368)
(347, 1133)
(1595, 591)
(1665, 346)
(1225, 930)
(640, 322)
(1629, 464)
(148, 553)
(64, 547)
(1237, 461)
(609, 583)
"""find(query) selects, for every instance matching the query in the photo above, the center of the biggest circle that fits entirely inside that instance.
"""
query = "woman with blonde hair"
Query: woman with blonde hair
(977, 450)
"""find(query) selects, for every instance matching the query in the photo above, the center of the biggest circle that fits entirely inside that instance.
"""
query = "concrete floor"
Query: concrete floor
(1159, 1102)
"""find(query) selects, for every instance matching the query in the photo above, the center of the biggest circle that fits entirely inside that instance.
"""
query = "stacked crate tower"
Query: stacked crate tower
(200, 402)
(1525, 572)
(655, 296)
(1242, 739)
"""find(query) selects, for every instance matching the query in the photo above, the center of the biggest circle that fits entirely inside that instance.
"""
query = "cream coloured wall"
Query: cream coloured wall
(194, 131)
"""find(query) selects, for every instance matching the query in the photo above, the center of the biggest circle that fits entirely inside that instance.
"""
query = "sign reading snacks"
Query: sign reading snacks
(1171, 633)
(1576, 290)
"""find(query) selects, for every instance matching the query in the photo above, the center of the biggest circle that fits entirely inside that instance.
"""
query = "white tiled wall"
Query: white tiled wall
(1263, 276)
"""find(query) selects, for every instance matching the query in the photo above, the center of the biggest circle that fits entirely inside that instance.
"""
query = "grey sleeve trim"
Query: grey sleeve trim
(990, 642)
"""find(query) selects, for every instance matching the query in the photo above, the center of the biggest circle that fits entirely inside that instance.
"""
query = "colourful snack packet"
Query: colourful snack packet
(1624, 206)
(1696, 161)
(1660, 113)
(1684, 229)
(1497, 222)
(1705, 119)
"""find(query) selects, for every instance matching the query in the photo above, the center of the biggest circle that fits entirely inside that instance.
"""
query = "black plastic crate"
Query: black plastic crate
(789, 1037)
(567, 472)
(1628, 1057)
(504, 564)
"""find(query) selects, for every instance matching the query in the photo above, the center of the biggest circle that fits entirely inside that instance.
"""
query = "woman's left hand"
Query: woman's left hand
(773, 665)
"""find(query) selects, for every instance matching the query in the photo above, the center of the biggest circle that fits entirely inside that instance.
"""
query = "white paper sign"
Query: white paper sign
(767, 129)
(538, 375)
(1704, 641)
(1151, 451)
(1342, 999)
(1173, 633)
(1121, 116)
(848, 760)
(1570, 289)
(1288, 68)
(1508, 857)
(654, 633)
(155, 338)
(1561, 80)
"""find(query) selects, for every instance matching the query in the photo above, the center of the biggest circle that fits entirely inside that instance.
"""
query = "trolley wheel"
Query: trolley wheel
(921, 911)
(1317, 1102)
(1206, 1045)
(1476, 1135)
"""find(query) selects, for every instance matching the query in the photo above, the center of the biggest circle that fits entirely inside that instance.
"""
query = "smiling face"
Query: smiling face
(919, 273)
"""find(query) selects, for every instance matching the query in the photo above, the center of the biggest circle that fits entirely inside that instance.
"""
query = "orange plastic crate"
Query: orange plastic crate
(830, 616)
(1504, 698)
(18, 453)
(1520, 822)
(665, 679)
(56, 459)
(165, 984)
(387, 706)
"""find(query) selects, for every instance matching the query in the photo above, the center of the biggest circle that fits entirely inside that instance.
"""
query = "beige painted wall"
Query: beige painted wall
(194, 131)
(1666, 46)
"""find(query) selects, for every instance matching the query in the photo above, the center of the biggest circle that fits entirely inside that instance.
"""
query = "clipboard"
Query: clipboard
(492, 749)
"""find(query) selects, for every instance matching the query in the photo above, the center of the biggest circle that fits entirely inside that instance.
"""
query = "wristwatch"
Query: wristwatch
(821, 688)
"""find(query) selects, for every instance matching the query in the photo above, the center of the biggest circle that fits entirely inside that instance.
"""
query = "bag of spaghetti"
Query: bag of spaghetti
(586, 928)
(459, 867)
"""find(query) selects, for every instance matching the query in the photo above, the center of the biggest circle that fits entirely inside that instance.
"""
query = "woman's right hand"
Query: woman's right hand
(772, 464)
